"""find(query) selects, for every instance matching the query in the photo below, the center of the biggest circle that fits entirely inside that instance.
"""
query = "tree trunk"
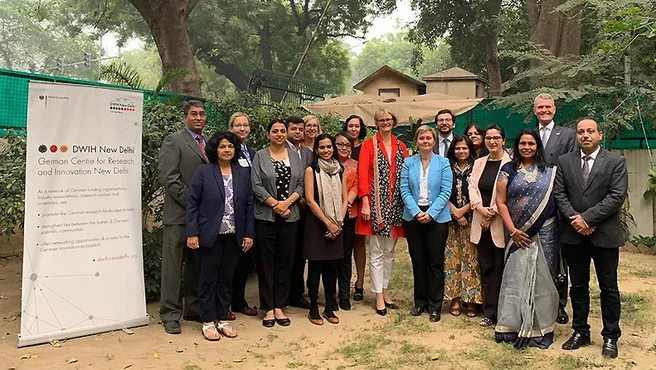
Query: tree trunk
(492, 64)
(265, 46)
(558, 32)
(168, 21)
(230, 71)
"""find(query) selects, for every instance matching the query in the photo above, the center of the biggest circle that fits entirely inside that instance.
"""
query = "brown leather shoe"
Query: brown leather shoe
(249, 311)
(231, 316)
(318, 321)
(331, 319)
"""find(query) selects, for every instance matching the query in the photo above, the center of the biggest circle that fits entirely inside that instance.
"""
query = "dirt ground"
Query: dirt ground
(362, 339)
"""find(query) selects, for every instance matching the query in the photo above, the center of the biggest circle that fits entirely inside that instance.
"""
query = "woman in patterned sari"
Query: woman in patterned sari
(381, 206)
(462, 274)
(528, 302)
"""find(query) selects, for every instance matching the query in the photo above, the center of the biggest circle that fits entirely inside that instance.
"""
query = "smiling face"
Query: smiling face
(311, 129)
(475, 137)
(544, 110)
(445, 124)
(241, 127)
(461, 151)
(325, 149)
(528, 147)
(385, 123)
(278, 134)
(425, 141)
(225, 151)
(353, 128)
(494, 141)
(343, 148)
(195, 119)
(588, 135)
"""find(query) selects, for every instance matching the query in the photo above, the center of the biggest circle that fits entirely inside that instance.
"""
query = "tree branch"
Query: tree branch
(297, 17)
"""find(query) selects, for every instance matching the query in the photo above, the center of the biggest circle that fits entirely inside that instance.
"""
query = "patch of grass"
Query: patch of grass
(192, 367)
(502, 356)
(569, 362)
(364, 350)
(271, 337)
(636, 308)
(643, 273)
(294, 364)
(414, 355)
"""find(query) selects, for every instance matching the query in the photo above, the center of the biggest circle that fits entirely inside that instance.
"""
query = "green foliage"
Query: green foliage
(649, 241)
(12, 183)
(650, 193)
(121, 73)
(152, 255)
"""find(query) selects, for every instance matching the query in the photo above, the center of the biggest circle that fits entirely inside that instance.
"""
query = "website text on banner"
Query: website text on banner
(82, 258)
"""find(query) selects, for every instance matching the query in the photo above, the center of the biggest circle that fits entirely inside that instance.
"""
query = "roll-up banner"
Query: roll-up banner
(82, 257)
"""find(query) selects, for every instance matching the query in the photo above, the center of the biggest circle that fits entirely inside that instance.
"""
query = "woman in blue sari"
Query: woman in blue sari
(528, 302)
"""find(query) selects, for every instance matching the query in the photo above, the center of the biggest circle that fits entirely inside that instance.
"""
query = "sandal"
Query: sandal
(226, 329)
(472, 312)
(210, 332)
(455, 308)
(486, 322)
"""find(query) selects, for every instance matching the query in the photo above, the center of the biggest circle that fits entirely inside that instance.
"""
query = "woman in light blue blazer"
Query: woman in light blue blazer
(426, 181)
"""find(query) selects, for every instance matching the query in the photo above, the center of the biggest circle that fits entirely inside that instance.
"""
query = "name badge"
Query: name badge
(243, 162)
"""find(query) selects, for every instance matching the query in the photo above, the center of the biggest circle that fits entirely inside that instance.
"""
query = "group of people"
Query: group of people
(486, 230)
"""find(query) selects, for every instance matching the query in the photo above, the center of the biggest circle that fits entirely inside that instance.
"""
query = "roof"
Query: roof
(384, 69)
(451, 74)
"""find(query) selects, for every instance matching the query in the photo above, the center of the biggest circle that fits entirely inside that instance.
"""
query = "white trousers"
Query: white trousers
(381, 261)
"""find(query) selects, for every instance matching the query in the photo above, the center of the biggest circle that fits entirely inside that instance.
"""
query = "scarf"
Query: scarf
(387, 205)
(329, 187)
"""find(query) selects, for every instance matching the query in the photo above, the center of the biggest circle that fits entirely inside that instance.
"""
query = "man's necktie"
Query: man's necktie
(586, 169)
(445, 142)
(247, 155)
(544, 137)
(201, 145)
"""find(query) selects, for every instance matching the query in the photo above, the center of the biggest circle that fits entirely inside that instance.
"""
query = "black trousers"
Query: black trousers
(276, 242)
(605, 261)
(239, 281)
(426, 244)
(490, 259)
(326, 271)
(217, 267)
(179, 276)
(345, 268)
(297, 287)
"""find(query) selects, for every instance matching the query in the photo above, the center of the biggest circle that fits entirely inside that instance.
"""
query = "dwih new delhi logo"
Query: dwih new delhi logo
(120, 105)
(53, 148)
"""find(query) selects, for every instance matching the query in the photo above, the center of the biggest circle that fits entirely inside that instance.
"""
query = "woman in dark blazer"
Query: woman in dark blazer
(277, 177)
(220, 224)
(426, 181)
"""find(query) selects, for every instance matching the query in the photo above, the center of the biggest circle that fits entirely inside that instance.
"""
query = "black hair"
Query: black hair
(273, 122)
(363, 127)
(213, 145)
(187, 104)
(494, 126)
(539, 154)
(588, 118)
(451, 153)
(315, 149)
(346, 136)
(294, 119)
(442, 111)
(483, 149)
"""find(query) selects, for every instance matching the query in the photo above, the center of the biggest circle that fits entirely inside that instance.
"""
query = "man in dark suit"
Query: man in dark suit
(179, 157)
(295, 137)
(556, 141)
(590, 188)
(240, 126)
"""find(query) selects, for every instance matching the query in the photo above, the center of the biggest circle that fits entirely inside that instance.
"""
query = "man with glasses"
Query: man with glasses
(556, 141)
(182, 152)
(240, 126)
(445, 121)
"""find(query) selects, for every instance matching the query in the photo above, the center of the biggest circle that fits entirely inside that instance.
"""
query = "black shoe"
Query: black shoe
(417, 311)
(268, 323)
(562, 317)
(345, 304)
(284, 322)
(609, 348)
(576, 341)
(194, 318)
(391, 306)
(358, 294)
(435, 316)
(172, 327)
(382, 312)
(301, 303)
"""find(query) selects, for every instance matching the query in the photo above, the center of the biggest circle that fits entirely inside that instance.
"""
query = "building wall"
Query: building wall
(638, 165)
(391, 81)
(465, 89)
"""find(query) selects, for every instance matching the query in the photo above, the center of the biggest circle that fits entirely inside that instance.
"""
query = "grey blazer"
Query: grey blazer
(561, 141)
(598, 203)
(263, 177)
(179, 157)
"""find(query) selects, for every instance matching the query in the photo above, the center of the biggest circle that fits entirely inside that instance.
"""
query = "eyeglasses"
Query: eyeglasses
(195, 113)
(385, 120)
(493, 138)
(444, 120)
(342, 145)
(241, 125)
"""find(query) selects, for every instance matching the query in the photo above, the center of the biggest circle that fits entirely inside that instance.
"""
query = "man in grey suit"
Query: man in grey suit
(590, 188)
(181, 154)
(556, 141)
(295, 137)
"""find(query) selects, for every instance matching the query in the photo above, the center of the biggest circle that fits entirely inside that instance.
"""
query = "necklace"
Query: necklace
(530, 173)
